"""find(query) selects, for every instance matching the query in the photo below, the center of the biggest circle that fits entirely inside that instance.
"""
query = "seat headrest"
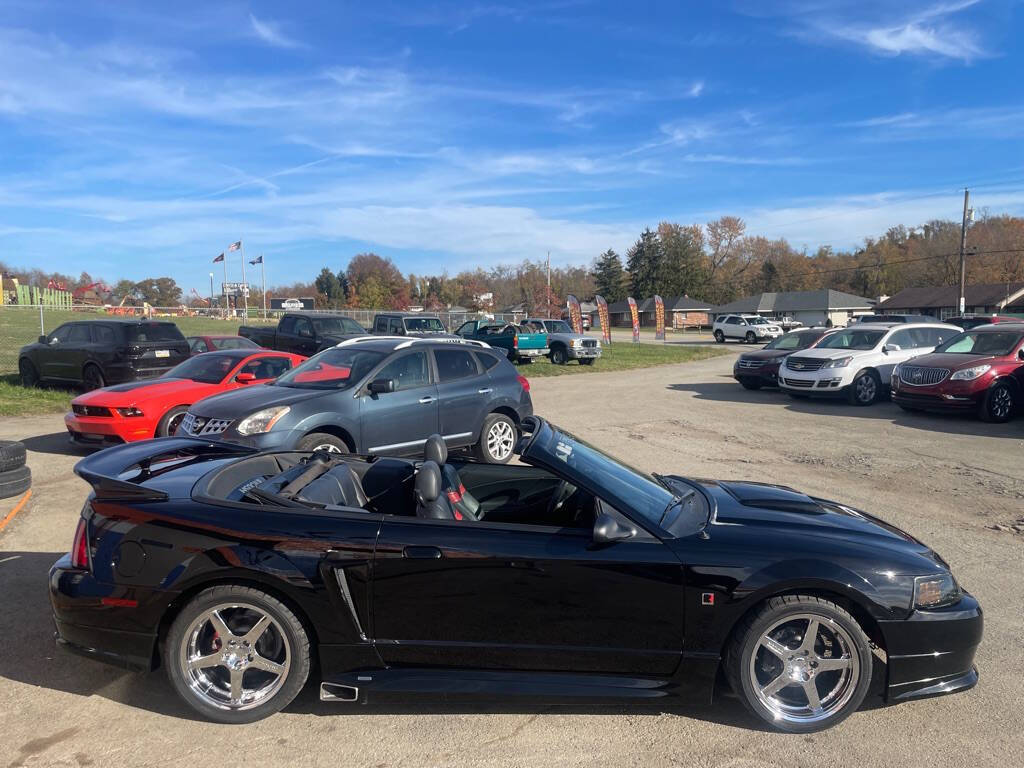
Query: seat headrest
(436, 450)
(428, 482)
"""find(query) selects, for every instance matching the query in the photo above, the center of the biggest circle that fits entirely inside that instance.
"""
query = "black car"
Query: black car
(570, 577)
(95, 353)
(374, 394)
(760, 368)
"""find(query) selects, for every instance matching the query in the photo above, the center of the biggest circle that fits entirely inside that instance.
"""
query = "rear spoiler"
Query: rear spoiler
(103, 470)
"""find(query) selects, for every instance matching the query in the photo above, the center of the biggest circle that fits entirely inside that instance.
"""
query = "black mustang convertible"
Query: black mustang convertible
(570, 577)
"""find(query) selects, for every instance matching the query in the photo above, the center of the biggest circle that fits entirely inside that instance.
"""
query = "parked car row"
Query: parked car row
(920, 366)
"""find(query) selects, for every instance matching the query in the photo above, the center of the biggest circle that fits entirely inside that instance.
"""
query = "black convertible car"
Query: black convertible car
(571, 578)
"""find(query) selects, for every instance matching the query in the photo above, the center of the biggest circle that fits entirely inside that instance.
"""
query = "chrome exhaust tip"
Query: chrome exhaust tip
(338, 692)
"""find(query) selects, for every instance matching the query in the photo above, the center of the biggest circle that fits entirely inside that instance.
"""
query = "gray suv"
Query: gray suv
(377, 395)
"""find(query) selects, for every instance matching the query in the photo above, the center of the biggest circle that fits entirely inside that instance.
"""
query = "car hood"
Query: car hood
(242, 402)
(133, 392)
(769, 354)
(954, 361)
(819, 353)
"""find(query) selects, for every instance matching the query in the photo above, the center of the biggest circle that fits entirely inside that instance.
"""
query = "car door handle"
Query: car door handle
(484, 391)
(426, 400)
(422, 553)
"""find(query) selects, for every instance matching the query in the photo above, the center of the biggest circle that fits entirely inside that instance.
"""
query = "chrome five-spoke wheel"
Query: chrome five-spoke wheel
(501, 439)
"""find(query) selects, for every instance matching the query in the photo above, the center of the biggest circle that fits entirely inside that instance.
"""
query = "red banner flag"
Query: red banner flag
(636, 319)
(659, 318)
(575, 313)
(602, 313)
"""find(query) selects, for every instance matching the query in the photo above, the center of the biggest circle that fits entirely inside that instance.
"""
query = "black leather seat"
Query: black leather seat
(339, 487)
(431, 501)
(436, 450)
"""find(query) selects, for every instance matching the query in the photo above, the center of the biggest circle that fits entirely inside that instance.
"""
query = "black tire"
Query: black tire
(750, 382)
(12, 455)
(865, 389)
(29, 374)
(751, 337)
(324, 442)
(998, 404)
(169, 423)
(494, 448)
(558, 355)
(285, 634)
(15, 482)
(92, 378)
(587, 360)
(746, 659)
(719, 337)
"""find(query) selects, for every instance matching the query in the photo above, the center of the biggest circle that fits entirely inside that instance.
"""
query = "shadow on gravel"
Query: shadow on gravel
(31, 657)
(58, 443)
(954, 424)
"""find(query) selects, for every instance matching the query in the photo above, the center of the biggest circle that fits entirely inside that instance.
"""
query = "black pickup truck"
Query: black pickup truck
(303, 334)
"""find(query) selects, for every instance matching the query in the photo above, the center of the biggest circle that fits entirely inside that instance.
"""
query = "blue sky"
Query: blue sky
(142, 138)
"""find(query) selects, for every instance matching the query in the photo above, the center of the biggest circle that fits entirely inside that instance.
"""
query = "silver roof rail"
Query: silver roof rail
(443, 340)
(369, 337)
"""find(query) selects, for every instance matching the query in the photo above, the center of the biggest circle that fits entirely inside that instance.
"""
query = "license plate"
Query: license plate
(162, 353)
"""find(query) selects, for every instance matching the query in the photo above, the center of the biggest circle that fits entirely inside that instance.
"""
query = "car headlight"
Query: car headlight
(970, 374)
(130, 412)
(577, 342)
(896, 372)
(839, 362)
(935, 591)
(261, 421)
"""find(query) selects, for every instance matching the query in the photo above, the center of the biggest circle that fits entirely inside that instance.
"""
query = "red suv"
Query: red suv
(973, 321)
(981, 369)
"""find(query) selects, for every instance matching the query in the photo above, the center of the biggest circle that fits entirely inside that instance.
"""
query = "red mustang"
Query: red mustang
(140, 410)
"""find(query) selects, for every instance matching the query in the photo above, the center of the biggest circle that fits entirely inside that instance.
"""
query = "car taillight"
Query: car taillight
(80, 546)
(515, 341)
(523, 382)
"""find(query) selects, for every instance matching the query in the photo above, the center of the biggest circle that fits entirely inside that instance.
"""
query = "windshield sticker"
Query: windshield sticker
(563, 451)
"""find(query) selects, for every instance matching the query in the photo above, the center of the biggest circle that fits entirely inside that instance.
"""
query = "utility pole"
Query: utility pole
(963, 252)
(547, 298)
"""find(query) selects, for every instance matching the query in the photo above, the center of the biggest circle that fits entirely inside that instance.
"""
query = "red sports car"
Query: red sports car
(140, 410)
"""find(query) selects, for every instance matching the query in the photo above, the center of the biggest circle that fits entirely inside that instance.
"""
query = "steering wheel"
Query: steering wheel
(561, 495)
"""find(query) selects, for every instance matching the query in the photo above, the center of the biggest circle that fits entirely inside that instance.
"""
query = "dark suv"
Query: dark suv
(94, 353)
(374, 395)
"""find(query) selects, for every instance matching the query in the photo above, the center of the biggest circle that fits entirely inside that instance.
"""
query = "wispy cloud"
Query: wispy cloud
(270, 33)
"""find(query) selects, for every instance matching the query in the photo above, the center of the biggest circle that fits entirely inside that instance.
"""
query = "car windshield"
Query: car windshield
(995, 343)
(234, 342)
(852, 339)
(756, 321)
(337, 325)
(147, 332)
(650, 498)
(334, 368)
(208, 368)
(421, 324)
(793, 341)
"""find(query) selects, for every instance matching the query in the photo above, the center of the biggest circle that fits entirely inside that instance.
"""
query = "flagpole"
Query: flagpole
(223, 288)
(245, 296)
(263, 279)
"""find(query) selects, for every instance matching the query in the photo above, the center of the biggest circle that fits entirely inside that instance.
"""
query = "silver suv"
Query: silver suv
(748, 328)
(564, 343)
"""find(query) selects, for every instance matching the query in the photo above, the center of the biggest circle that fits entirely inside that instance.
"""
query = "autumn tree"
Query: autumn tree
(377, 282)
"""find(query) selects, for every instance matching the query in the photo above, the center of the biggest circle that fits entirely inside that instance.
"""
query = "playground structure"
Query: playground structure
(51, 297)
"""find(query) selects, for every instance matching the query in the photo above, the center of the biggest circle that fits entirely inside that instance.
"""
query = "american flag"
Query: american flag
(257, 260)
(219, 258)
(235, 246)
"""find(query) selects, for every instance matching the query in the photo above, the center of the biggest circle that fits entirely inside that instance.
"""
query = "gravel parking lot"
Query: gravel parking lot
(947, 481)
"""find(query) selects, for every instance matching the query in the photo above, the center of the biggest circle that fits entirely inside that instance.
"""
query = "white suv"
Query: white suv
(858, 361)
(749, 328)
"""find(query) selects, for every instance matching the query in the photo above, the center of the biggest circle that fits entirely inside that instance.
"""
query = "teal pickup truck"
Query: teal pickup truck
(520, 346)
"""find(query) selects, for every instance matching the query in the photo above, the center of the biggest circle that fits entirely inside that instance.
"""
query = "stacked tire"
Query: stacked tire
(15, 477)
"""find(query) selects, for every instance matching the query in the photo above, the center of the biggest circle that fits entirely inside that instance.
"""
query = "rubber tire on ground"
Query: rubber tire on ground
(480, 449)
(558, 355)
(587, 360)
(92, 378)
(747, 634)
(162, 427)
(851, 391)
(751, 337)
(750, 382)
(15, 482)
(298, 640)
(719, 337)
(12, 455)
(313, 439)
(29, 374)
(985, 406)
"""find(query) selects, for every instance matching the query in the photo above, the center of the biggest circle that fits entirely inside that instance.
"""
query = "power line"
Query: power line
(914, 260)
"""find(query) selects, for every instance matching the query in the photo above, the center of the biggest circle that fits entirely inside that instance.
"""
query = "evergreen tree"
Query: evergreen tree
(328, 284)
(644, 263)
(681, 272)
(609, 276)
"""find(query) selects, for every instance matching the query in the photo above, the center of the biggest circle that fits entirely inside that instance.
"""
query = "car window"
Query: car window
(407, 371)
(395, 326)
(466, 328)
(80, 334)
(267, 367)
(303, 327)
(209, 368)
(287, 325)
(232, 342)
(380, 325)
(981, 343)
(144, 332)
(793, 341)
(732, 320)
(421, 324)
(905, 339)
(486, 360)
(334, 368)
(103, 334)
(453, 364)
(61, 334)
(852, 339)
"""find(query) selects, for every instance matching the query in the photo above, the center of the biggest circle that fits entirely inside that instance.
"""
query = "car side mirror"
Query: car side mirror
(52, 341)
(42, 340)
(1020, 353)
(245, 378)
(608, 529)
(381, 386)
(891, 348)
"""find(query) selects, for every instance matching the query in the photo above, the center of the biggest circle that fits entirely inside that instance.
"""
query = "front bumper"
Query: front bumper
(823, 382)
(580, 353)
(945, 396)
(767, 373)
(932, 652)
(107, 430)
